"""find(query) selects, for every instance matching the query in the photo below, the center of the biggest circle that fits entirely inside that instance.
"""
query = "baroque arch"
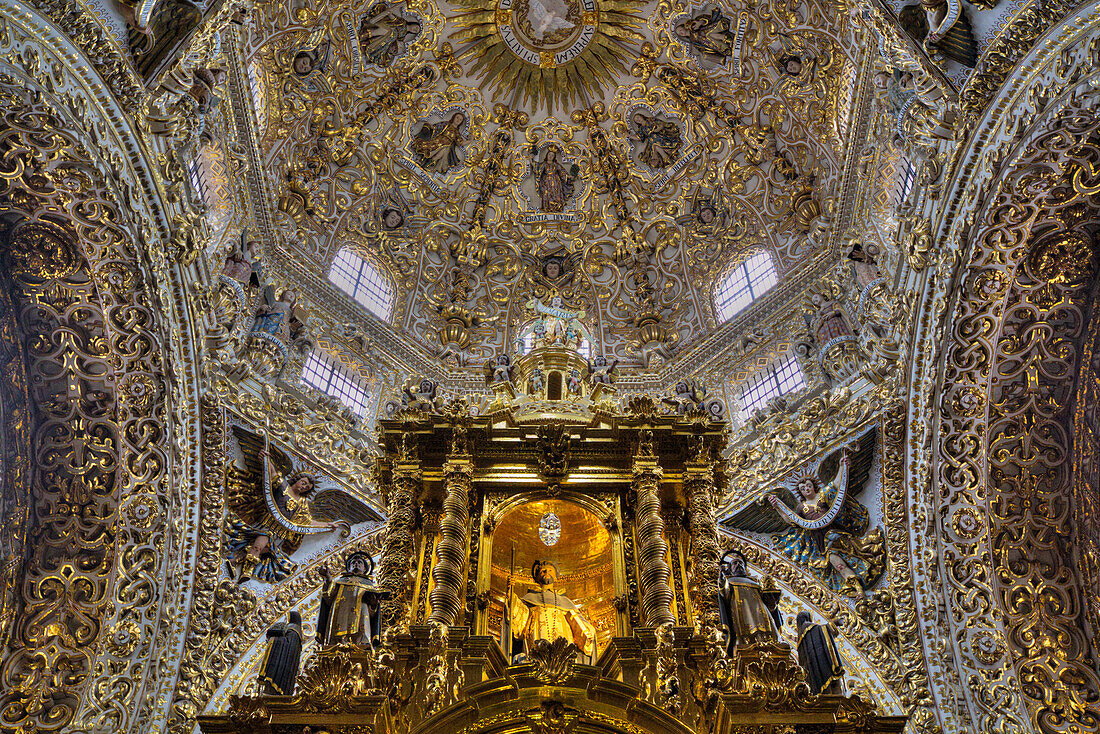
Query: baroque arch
(1002, 409)
(92, 310)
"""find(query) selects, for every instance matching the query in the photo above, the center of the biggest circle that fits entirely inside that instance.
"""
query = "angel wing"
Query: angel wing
(261, 503)
(759, 515)
(333, 503)
(572, 260)
(247, 494)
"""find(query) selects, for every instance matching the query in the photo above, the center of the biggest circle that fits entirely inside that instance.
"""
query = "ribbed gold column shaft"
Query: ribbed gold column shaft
(699, 487)
(398, 546)
(448, 573)
(653, 569)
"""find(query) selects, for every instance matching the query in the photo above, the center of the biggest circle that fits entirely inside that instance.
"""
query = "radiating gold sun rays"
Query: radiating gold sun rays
(547, 54)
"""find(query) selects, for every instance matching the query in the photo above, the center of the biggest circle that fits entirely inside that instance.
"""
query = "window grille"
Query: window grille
(744, 284)
(323, 372)
(363, 282)
(779, 378)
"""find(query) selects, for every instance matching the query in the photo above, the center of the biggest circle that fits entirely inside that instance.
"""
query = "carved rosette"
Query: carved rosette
(699, 487)
(451, 552)
(397, 547)
(652, 548)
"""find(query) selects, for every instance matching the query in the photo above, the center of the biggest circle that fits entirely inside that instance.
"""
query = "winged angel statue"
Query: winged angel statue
(821, 525)
(276, 506)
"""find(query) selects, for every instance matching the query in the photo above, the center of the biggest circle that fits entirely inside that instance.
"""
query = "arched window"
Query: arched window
(782, 376)
(363, 282)
(745, 283)
(323, 372)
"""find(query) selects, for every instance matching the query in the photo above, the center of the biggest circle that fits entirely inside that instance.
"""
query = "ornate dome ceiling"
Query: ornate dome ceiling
(619, 154)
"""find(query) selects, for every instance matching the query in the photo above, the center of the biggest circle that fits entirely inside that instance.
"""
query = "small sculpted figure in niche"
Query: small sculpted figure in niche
(819, 657)
(552, 269)
(351, 606)
(708, 34)
(499, 369)
(536, 383)
(203, 88)
(554, 183)
(308, 67)
(423, 398)
(392, 219)
(796, 60)
(279, 668)
(599, 371)
(545, 614)
(685, 397)
(385, 34)
(827, 533)
(243, 264)
(553, 323)
(893, 89)
(743, 613)
(790, 64)
(829, 321)
(704, 215)
(437, 145)
(658, 141)
(572, 337)
(281, 318)
(574, 381)
(864, 263)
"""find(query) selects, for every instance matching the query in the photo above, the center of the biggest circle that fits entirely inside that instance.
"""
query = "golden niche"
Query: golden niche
(583, 557)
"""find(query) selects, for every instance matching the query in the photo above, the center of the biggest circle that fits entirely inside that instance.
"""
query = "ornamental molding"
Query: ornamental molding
(1051, 79)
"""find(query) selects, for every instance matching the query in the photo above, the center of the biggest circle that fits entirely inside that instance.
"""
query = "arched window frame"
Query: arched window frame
(364, 281)
(753, 276)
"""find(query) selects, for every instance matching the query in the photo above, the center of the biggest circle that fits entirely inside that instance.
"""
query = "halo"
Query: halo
(798, 476)
(301, 474)
(367, 561)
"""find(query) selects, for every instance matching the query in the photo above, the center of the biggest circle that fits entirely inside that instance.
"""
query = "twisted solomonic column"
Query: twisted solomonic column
(448, 573)
(699, 487)
(397, 544)
(652, 548)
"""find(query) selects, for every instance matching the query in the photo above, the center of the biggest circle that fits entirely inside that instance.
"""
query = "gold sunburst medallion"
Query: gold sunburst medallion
(567, 50)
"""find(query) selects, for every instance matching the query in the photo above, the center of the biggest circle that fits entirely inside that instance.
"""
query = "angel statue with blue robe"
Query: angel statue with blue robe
(827, 532)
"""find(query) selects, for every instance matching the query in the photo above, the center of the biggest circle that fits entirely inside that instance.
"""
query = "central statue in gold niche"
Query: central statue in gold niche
(546, 614)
